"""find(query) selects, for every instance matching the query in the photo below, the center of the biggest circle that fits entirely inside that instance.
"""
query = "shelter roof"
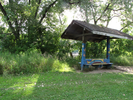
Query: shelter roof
(83, 31)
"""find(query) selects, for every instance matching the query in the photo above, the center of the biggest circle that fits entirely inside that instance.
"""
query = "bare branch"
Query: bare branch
(46, 10)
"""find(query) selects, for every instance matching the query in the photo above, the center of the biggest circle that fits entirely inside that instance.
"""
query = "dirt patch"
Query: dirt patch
(114, 69)
(128, 69)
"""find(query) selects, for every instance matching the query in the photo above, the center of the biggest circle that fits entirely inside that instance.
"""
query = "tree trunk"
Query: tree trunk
(71, 54)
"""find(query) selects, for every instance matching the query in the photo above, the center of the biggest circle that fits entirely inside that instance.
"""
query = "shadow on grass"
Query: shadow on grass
(51, 86)
(69, 86)
(20, 86)
(11, 87)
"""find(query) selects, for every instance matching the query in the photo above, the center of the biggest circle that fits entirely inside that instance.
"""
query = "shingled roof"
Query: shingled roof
(77, 29)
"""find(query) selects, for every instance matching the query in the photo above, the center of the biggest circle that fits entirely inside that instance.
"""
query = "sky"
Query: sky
(71, 15)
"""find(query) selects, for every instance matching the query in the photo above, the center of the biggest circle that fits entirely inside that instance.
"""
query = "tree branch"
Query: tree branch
(17, 27)
(103, 12)
(29, 2)
(37, 9)
(74, 2)
(46, 10)
(15, 20)
(7, 18)
(125, 26)
(94, 14)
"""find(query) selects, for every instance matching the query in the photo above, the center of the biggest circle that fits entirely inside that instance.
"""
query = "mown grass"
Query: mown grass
(31, 62)
(67, 86)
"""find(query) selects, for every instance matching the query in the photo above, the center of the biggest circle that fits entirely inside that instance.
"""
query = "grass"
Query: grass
(31, 62)
(33, 76)
(67, 86)
(122, 60)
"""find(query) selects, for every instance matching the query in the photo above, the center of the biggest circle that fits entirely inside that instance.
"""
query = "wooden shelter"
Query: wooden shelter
(83, 31)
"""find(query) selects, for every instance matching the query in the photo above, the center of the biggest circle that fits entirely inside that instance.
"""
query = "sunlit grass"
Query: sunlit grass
(68, 86)
(66, 68)
(18, 85)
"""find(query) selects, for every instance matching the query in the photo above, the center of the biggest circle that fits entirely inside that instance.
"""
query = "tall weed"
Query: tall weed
(122, 60)
(29, 62)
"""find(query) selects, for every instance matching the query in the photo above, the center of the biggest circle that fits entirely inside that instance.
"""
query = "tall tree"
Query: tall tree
(32, 22)
(101, 12)
(127, 16)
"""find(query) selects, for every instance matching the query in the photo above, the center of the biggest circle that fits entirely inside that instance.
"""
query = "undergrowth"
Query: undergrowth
(122, 60)
(35, 62)
(32, 62)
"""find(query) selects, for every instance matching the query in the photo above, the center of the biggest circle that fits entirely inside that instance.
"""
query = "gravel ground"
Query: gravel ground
(114, 69)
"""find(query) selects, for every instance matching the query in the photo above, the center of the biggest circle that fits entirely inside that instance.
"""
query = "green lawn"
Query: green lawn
(67, 86)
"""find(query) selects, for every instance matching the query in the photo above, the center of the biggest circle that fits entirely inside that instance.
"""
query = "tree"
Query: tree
(101, 12)
(127, 16)
(32, 23)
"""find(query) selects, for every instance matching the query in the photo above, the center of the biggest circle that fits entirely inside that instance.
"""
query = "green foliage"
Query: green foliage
(13, 47)
(121, 47)
(45, 42)
(32, 24)
(73, 62)
(118, 47)
(123, 60)
(65, 47)
(96, 50)
(30, 62)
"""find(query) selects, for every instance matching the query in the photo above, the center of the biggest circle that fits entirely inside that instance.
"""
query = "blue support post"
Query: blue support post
(85, 49)
(108, 49)
(83, 55)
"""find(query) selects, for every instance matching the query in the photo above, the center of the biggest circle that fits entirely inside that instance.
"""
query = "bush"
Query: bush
(30, 62)
(122, 60)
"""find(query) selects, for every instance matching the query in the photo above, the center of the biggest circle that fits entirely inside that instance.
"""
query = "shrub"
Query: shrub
(30, 62)
(122, 60)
